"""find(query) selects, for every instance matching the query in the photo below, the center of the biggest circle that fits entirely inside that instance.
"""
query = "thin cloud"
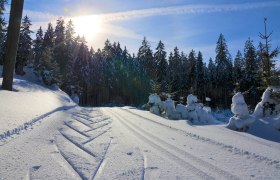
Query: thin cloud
(187, 9)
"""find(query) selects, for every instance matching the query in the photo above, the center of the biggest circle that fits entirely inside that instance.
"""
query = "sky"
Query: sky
(187, 24)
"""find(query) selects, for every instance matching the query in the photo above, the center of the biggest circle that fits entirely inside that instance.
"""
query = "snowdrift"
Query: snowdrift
(28, 103)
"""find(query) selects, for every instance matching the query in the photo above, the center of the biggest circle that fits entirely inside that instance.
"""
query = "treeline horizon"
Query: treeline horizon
(114, 76)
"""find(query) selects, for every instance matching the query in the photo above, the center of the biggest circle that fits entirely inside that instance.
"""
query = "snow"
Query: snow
(241, 119)
(127, 143)
(191, 99)
(27, 103)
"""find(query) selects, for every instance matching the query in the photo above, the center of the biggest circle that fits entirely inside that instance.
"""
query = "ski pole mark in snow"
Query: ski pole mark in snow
(229, 148)
(168, 154)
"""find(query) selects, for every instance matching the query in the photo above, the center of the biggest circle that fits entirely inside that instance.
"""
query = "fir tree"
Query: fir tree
(238, 70)
(60, 48)
(49, 37)
(161, 67)
(223, 72)
(38, 47)
(192, 72)
(24, 46)
(3, 30)
(145, 57)
(200, 77)
(269, 76)
(175, 65)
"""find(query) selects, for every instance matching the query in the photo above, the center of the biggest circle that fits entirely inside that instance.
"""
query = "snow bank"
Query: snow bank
(28, 103)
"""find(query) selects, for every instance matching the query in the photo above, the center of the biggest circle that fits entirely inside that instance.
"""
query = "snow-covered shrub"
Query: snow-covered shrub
(182, 110)
(155, 105)
(270, 104)
(195, 112)
(170, 111)
(241, 119)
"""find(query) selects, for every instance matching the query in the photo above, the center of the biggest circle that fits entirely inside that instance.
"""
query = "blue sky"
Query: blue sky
(188, 24)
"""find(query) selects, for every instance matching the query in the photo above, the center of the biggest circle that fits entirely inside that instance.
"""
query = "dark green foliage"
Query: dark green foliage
(24, 46)
(161, 82)
(3, 30)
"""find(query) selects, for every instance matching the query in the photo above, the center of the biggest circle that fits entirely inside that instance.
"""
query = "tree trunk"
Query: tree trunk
(12, 43)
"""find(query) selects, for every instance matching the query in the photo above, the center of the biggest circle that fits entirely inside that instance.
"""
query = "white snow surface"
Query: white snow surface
(27, 103)
(122, 143)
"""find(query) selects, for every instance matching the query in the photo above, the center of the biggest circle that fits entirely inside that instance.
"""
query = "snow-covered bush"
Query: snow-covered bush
(270, 105)
(241, 119)
(170, 111)
(154, 105)
(196, 112)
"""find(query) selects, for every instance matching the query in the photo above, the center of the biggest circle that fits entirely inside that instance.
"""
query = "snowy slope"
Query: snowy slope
(28, 103)
(125, 143)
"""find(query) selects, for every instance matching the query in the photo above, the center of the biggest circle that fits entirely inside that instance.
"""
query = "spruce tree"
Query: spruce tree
(145, 57)
(49, 37)
(3, 30)
(175, 64)
(223, 72)
(161, 67)
(269, 75)
(38, 47)
(238, 70)
(24, 46)
(192, 72)
(59, 50)
(200, 75)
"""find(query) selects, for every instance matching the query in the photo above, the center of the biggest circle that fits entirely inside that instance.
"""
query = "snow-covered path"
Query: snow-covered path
(125, 143)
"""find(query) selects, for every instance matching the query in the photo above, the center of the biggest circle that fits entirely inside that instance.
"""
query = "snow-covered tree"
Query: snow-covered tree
(24, 46)
(238, 69)
(161, 67)
(38, 47)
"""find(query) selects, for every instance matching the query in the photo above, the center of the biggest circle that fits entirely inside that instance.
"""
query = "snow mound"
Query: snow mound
(269, 106)
(191, 99)
(241, 119)
(169, 108)
(28, 103)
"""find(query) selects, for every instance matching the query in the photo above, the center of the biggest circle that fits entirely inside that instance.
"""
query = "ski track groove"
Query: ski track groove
(78, 145)
(100, 134)
(95, 122)
(76, 129)
(229, 148)
(98, 127)
(77, 119)
(85, 118)
(70, 162)
(101, 161)
(178, 160)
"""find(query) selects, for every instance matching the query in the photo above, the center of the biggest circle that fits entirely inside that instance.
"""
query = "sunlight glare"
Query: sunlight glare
(88, 26)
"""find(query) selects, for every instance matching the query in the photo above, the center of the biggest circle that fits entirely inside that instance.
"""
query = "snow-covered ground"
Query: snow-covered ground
(28, 103)
(121, 143)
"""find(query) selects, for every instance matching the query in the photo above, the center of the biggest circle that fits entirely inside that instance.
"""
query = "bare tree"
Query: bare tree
(12, 43)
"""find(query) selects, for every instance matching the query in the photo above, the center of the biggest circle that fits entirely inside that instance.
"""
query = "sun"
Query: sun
(88, 26)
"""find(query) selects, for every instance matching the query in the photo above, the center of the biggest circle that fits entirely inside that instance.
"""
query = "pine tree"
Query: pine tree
(81, 73)
(161, 67)
(175, 64)
(59, 50)
(49, 38)
(145, 57)
(200, 89)
(223, 72)
(24, 46)
(192, 72)
(238, 70)
(269, 76)
(3, 30)
(251, 82)
(38, 48)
